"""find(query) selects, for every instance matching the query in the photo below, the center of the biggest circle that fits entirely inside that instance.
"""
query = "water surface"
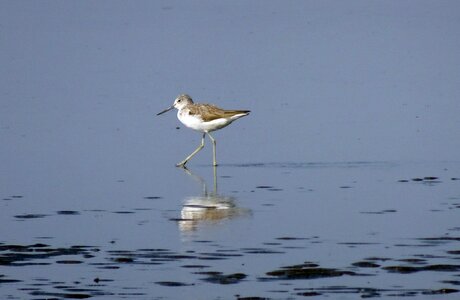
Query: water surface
(343, 182)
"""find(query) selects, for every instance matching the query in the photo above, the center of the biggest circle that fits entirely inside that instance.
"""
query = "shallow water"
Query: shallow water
(343, 182)
(274, 230)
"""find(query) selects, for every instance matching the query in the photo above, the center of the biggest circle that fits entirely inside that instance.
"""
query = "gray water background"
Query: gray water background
(347, 98)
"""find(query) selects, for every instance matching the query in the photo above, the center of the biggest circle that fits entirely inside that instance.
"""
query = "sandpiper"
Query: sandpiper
(203, 118)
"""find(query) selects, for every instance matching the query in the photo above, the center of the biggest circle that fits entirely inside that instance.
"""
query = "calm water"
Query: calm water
(373, 233)
(343, 182)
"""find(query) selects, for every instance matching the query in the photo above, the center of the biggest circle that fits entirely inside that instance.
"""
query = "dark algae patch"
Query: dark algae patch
(424, 179)
(69, 262)
(307, 272)
(251, 298)
(264, 187)
(269, 188)
(173, 283)
(61, 295)
(365, 264)
(123, 260)
(381, 212)
(440, 292)
(20, 255)
(220, 278)
(260, 251)
(366, 292)
(412, 269)
(440, 239)
(68, 212)
(30, 216)
(291, 238)
(4, 279)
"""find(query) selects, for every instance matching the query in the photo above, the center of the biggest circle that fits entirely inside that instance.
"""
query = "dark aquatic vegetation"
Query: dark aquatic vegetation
(260, 251)
(307, 272)
(61, 295)
(195, 266)
(220, 278)
(20, 255)
(453, 282)
(12, 197)
(413, 260)
(385, 211)
(366, 292)
(3, 279)
(429, 180)
(291, 238)
(173, 283)
(68, 212)
(69, 262)
(251, 298)
(412, 269)
(309, 294)
(30, 216)
(440, 292)
(401, 269)
(365, 264)
(123, 260)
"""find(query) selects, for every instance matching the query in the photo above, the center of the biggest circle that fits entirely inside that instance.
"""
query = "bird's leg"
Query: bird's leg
(182, 163)
(214, 162)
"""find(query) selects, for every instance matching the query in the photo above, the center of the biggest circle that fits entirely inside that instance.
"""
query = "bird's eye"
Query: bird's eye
(179, 100)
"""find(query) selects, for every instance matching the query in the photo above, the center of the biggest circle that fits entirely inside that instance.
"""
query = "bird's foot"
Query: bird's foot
(181, 165)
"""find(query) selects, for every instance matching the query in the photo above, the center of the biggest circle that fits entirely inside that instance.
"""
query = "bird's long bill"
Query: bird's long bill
(168, 109)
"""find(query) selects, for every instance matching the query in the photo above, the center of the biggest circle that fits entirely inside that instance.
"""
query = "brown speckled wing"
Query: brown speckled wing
(210, 112)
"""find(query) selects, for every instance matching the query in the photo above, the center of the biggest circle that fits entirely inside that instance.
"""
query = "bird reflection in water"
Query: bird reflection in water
(209, 208)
